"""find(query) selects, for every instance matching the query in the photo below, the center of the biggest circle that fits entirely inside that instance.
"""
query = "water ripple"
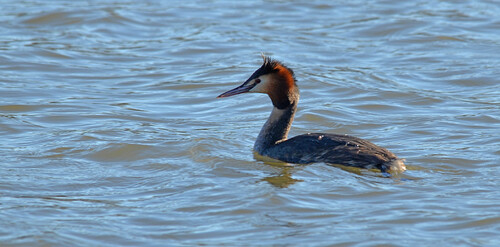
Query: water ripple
(110, 123)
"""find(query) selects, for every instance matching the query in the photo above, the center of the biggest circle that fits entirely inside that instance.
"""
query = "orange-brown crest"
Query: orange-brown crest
(283, 90)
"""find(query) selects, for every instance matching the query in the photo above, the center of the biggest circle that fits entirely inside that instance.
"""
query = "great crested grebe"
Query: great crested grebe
(278, 81)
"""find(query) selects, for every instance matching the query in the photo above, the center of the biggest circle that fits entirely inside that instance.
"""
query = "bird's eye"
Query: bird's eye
(257, 81)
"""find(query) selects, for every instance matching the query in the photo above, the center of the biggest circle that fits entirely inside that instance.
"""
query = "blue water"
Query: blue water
(111, 133)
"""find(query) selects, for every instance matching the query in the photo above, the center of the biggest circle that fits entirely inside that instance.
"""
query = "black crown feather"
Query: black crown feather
(269, 66)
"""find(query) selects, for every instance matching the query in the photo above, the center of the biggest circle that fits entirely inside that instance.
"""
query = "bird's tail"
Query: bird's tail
(394, 166)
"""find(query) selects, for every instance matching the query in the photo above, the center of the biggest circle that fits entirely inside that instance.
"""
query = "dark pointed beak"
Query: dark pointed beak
(245, 87)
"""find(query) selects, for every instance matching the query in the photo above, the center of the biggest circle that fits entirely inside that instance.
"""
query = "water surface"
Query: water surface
(111, 133)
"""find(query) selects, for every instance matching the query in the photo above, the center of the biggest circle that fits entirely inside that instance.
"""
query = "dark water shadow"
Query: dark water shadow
(284, 177)
(395, 176)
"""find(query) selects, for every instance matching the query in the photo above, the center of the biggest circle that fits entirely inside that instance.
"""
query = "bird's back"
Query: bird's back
(334, 149)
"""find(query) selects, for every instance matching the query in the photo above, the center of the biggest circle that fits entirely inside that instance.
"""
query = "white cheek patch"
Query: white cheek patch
(263, 86)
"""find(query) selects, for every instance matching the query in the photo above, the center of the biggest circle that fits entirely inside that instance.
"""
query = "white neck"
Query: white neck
(275, 129)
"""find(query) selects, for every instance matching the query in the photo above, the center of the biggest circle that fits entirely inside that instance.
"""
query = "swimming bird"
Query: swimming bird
(278, 82)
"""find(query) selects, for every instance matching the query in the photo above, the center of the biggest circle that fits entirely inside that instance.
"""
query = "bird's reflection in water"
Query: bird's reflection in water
(283, 178)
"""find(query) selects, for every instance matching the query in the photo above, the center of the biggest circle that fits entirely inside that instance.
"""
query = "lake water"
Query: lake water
(111, 133)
